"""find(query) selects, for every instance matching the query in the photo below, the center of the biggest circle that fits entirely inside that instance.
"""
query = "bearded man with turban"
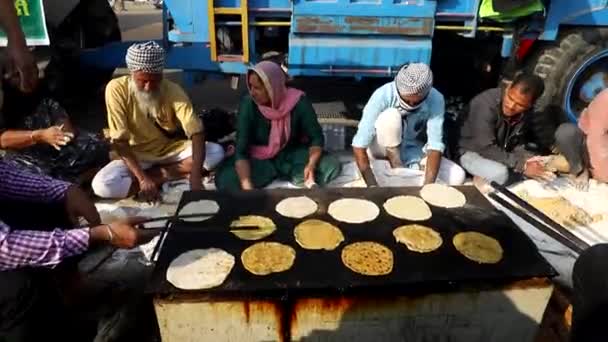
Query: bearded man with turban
(146, 115)
(403, 122)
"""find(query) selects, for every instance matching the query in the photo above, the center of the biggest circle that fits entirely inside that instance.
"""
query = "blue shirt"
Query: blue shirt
(428, 117)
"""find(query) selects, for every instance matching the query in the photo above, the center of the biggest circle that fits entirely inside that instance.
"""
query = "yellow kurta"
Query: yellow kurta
(128, 123)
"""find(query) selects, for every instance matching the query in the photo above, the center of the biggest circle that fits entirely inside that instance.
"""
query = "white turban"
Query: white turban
(147, 57)
(414, 79)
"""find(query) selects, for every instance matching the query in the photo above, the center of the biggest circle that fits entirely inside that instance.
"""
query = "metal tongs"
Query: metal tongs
(538, 219)
(173, 219)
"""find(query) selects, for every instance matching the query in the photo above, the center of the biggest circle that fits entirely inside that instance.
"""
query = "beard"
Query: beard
(147, 101)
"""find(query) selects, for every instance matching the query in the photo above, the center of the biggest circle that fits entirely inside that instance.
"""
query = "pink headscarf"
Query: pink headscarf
(282, 102)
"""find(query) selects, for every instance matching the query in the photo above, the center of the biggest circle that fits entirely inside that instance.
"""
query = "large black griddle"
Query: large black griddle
(322, 272)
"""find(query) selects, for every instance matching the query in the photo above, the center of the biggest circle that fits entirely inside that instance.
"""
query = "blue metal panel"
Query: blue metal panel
(462, 7)
(345, 55)
(362, 25)
(192, 57)
(190, 18)
(507, 45)
(257, 4)
(574, 12)
(371, 8)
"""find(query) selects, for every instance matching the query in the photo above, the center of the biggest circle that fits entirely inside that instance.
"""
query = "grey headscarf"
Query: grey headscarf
(414, 79)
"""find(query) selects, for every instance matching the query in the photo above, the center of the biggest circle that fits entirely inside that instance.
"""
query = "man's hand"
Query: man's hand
(196, 182)
(54, 136)
(78, 204)
(148, 190)
(123, 233)
(363, 165)
(536, 169)
(433, 162)
(21, 62)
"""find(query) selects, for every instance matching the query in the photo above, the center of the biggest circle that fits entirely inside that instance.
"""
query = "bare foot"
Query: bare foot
(580, 182)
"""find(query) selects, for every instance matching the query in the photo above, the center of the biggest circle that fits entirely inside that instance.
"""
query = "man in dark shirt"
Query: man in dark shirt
(493, 133)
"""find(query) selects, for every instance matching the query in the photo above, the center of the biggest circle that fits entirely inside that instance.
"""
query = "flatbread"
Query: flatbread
(444, 196)
(198, 207)
(264, 224)
(317, 234)
(478, 247)
(418, 238)
(200, 269)
(297, 207)
(353, 210)
(368, 258)
(408, 208)
(264, 258)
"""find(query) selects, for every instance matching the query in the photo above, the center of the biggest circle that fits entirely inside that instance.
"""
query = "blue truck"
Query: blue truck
(562, 40)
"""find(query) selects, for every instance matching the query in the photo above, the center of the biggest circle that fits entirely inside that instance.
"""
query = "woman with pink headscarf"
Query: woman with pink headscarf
(278, 137)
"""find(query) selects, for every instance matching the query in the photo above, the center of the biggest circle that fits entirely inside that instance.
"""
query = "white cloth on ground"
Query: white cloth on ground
(114, 180)
(389, 129)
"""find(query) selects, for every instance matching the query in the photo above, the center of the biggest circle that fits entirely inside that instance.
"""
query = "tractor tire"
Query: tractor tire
(555, 64)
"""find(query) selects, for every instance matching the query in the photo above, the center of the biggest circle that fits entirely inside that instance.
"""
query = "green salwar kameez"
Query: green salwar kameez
(253, 129)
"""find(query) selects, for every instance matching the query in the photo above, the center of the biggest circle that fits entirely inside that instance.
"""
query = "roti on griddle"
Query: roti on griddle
(317, 234)
(199, 207)
(368, 258)
(264, 225)
(200, 269)
(353, 210)
(478, 247)
(297, 207)
(443, 196)
(264, 258)
(418, 238)
(408, 208)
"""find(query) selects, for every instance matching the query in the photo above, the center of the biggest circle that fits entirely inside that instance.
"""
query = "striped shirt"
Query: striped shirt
(30, 248)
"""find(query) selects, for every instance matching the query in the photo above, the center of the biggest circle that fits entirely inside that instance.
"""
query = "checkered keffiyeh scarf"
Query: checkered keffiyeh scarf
(147, 57)
(414, 79)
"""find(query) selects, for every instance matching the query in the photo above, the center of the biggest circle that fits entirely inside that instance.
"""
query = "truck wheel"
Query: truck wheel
(573, 74)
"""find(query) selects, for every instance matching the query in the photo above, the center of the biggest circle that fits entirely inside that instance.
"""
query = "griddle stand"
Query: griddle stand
(498, 310)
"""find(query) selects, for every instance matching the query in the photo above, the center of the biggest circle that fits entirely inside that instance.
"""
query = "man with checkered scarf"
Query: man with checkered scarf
(403, 122)
(154, 131)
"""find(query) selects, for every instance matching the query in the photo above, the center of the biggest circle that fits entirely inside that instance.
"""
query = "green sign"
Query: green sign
(33, 23)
